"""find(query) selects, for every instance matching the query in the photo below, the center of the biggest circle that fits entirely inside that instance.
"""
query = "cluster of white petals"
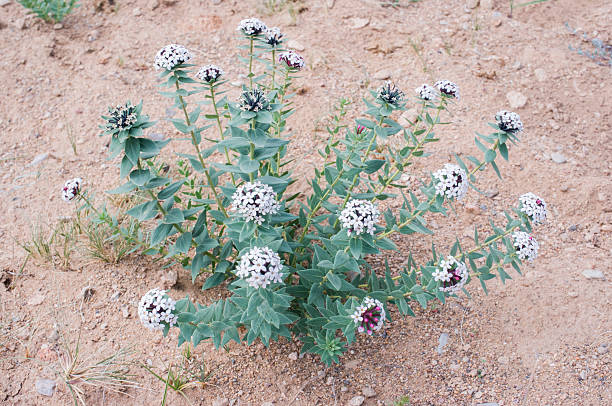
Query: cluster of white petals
(255, 200)
(451, 181)
(533, 206)
(251, 26)
(390, 93)
(209, 73)
(260, 267)
(71, 189)
(273, 36)
(426, 92)
(292, 59)
(369, 316)
(448, 88)
(509, 121)
(156, 310)
(359, 216)
(526, 246)
(452, 274)
(170, 56)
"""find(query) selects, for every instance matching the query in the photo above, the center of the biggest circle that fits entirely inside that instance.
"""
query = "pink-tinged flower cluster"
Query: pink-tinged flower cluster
(369, 316)
(359, 129)
(71, 189)
(292, 59)
(534, 207)
(448, 88)
(452, 274)
(526, 246)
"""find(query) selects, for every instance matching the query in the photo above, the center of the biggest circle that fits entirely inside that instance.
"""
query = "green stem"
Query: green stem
(200, 158)
(407, 221)
(220, 127)
(273, 67)
(280, 118)
(483, 163)
(251, 62)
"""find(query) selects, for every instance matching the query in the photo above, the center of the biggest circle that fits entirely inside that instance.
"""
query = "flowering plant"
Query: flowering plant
(295, 265)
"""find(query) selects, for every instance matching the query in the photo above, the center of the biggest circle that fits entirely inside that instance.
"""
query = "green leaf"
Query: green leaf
(144, 211)
(126, 167)
(248, 166)
(132, 150)
(174, 216)
(490, 155)
(161, 232)
(183, 243)
(214, 280)
(373, 165)
(140, 176)
(356, 246)
(334, 280)
(170, 190)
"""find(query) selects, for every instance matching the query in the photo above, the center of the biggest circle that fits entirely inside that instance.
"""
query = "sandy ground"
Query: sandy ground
(541, 339)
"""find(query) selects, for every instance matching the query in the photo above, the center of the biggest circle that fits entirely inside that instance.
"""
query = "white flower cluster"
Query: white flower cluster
(526, 246)
(170, 56)
(359, 216)
(452, 182)
(156, 310)
(260, 267)
(71, 189)
(255, 200)
(254, 100)
(452, 273)
(274, 36)
(292, 59)
(534, 207)
(509, 121)
(251, 26)
(426, 92)
(209, 73)
(370, 316)
(448, 88)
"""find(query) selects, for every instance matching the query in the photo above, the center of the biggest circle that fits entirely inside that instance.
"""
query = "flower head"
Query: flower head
(389, 93)
(260, 267)
(209, 74)
(251, 26)
(448, 88)
(121, 118)
(71, 189)
(359, 216)
(156, 310)
(509, 121)
(451, 181)
(292, 59)
(254, 100)
(255, 200)
(526, 246)
(533, 207)
(369, 316)
(273, 36)
(452, 273)
(426, 92)
(359, 129)
(171, 56)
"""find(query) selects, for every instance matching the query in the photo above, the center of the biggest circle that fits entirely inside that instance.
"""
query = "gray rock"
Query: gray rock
(516, 99)
(36, 299)
(153, 4)
(573, 227)
(558, 158)
(442, 341)
(45, 387)
(602, 349)
(583, 375)
(593, 274)
(220, 402)
(491, 193)
(293, 44)
(368, 392)
(356, 23)
(4, 3)
(293, 356)
(38, 159)
(216, 2)
(382, 74)
(137, 12)
(540, 75)
(472, 3)
(356, 401)
(157, 136)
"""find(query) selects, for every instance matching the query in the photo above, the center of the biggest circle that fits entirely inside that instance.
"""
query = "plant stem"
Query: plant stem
(252, 40)
(220, 127)
(197, 148)
(273, 67)
(483, 163)
(280, 117)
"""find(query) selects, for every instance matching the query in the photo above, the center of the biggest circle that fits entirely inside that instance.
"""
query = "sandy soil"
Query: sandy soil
(541, 339)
